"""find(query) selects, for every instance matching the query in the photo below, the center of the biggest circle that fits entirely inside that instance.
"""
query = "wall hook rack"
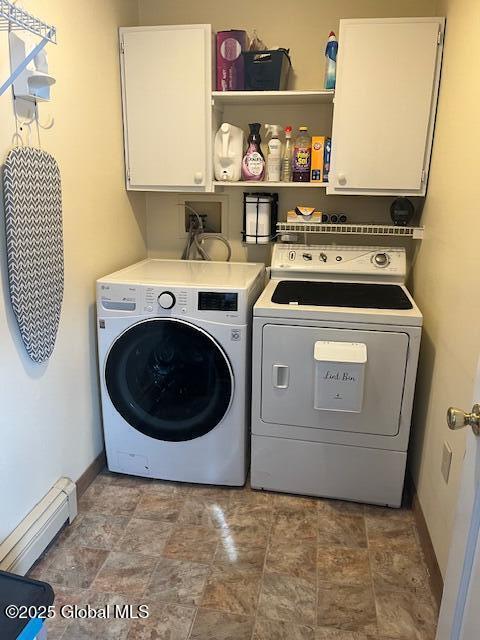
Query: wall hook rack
(14, 18)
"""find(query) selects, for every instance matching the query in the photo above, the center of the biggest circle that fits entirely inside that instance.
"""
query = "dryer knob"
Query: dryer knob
(381, 259)
(166, 300)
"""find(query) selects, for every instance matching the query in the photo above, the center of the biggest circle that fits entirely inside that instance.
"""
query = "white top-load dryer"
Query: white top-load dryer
(174, 341)
(335, 349)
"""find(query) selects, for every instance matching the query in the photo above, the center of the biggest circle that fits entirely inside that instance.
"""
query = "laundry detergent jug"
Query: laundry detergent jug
(228, 152)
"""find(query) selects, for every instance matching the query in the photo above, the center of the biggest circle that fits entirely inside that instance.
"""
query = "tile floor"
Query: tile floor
(236, 564)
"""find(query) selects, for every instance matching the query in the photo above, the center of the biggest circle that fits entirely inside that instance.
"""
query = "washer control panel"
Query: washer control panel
(343, 261)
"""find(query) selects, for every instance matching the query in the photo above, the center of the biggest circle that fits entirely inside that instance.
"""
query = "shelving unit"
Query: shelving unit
(14, 18)
(270, 185)
(415, 233)
(227, 98)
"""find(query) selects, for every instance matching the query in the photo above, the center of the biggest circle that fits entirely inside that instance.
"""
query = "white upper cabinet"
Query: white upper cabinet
(388, 74)
(166, 93)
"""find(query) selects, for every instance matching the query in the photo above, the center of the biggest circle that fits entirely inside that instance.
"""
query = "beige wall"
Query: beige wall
(447, 272)
(50, 419)
(303, 29)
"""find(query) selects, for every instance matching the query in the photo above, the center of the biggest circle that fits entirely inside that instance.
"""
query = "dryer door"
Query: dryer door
(169, 379)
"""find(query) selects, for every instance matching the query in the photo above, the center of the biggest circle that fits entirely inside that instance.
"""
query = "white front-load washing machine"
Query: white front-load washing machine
(174, 341)
(336, 338)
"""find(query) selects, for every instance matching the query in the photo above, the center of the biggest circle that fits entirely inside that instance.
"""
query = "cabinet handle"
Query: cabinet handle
(342, 178)
(280, 375)
(198, 177)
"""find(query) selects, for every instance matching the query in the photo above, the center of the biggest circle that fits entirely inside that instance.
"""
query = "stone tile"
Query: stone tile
(391, 534)
(207, 492)
(247, 495)
(178, 581)
(107, 629)
(204, 512)
(405, 616)
(285, 503)
(278, 630)
(351, 608)
(215, 625)
(165, 622)
(387, 513)
(397, 571)
(126, 573)
(231, 589)
(64, 596)
(287, 598)
(188, 542)
(156, 506)
(295, 526)
(94, 530)
(341, 529)
(299, 561)
(254, 534)
(329, 633)
(340, 507)
(110, 499)
(241, 556)
(123, 480)
(146, 537)
(345, 566)
(74, 567)
(247, 515)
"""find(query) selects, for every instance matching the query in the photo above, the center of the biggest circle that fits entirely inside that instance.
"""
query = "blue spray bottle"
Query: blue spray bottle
(331, 61)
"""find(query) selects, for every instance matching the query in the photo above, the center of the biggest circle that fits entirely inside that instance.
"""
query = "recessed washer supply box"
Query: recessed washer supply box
(339, 375)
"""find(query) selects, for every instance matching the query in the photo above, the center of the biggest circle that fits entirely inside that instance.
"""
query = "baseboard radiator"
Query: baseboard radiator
(29, 540)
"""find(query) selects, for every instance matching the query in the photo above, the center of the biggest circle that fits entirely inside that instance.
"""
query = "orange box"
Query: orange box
(317, 162)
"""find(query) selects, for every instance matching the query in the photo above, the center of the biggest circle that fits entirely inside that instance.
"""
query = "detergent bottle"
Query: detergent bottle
(253, 164)
(331, 61)
(302, 156)
(274, 157)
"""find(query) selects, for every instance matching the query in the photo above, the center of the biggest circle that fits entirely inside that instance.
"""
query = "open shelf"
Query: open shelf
(416, 233)
(270, 185)
(271, 97)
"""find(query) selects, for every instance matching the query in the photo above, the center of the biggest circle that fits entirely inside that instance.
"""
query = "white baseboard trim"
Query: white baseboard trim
(29, 540)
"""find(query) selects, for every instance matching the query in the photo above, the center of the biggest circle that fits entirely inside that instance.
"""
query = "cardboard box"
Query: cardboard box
(230, 62)
(314, 218)
(318, 153)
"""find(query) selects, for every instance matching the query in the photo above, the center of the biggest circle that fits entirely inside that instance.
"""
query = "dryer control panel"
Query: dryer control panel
(334, 262)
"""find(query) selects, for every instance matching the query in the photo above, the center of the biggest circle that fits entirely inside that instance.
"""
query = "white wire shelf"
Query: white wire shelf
(415, 233)
(16, 18)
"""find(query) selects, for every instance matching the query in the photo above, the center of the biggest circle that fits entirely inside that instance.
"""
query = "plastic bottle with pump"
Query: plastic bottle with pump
(253, 164)
(286, 175)
(274, 157)
(302, 156)
(331, 61)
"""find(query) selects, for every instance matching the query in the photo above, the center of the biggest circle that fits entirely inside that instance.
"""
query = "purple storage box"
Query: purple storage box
(230, 64)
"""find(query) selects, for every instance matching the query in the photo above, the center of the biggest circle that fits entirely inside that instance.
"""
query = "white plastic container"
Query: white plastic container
(228, 153)
(339, 375)
(274, 157)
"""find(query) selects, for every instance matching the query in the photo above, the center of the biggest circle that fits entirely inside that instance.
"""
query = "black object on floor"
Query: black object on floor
(341, 294)
(20, 592)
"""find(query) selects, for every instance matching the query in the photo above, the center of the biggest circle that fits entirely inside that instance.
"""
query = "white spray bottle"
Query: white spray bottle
(274, 158)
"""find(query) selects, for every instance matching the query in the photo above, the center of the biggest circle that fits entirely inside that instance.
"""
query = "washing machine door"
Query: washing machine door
(169, 379)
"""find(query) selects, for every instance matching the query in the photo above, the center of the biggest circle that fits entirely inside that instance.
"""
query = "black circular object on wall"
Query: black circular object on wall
(401, 211)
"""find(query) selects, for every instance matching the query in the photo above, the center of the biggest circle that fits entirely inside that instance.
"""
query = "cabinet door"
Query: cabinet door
(166, 89)
(387, 86)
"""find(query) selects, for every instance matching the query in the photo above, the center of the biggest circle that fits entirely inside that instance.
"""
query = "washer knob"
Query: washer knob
(166, 300)
(381, 259)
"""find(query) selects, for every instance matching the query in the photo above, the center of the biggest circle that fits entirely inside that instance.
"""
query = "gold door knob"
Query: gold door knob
(457, 419)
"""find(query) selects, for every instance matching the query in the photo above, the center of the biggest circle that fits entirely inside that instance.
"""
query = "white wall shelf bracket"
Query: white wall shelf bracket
(14, 18)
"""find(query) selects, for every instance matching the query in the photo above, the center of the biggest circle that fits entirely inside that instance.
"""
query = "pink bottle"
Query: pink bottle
(253, 164)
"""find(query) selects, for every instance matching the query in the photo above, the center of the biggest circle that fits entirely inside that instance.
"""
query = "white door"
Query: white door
(460, 611)
(166, 91)
(387, 85)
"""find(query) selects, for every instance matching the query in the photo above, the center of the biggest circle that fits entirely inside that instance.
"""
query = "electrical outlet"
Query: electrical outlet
(446, 461)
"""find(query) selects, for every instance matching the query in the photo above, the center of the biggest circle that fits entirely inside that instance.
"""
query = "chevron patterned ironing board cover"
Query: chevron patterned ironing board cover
(33, 215)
